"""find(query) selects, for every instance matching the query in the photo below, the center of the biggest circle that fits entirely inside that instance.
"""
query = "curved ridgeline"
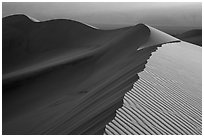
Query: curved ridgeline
(64, 77)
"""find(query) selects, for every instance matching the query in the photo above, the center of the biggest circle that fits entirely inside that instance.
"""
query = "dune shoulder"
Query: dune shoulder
(192, 36)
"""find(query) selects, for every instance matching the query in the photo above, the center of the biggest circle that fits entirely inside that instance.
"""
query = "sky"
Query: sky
(115, 13)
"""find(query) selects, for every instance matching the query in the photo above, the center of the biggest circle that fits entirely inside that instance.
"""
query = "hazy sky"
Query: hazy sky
(160, 14)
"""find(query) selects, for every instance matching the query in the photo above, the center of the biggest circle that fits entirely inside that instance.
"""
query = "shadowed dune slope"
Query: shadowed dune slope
(192, 36)
(64, 77)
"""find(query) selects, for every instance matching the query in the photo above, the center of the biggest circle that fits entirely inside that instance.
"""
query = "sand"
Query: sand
(192, 36)
(64, 77)
(167, 99)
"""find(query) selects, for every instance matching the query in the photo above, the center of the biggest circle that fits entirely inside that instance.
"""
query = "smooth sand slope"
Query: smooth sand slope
(167, 99)
(64, 77)
(193, 36)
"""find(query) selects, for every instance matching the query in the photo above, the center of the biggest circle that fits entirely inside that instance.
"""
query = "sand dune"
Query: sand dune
(167, 98)
(64, 77)
(193, 36)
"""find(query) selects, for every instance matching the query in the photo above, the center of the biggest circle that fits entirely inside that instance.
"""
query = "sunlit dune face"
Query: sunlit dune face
(169, 91)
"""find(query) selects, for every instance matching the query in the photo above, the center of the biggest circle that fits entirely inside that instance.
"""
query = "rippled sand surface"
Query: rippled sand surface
(167, 98)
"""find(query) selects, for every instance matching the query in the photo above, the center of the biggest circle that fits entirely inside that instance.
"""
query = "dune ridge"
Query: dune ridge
(64, 77)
